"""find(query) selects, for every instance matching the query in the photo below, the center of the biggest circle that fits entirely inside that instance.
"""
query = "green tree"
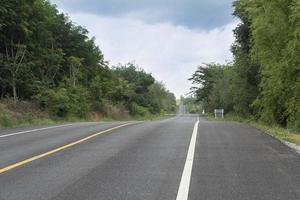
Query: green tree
(46, 57)
(213, 86)
(271, 30)
(246, 75)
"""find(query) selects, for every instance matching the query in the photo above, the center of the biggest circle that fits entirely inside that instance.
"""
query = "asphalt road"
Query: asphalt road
(146, 160)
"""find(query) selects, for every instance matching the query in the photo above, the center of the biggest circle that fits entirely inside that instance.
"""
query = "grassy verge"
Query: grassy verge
(273, 130)
(139, 118)
(7, 121)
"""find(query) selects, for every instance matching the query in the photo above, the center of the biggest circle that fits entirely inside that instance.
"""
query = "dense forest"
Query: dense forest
(263, 81)
(46, 58)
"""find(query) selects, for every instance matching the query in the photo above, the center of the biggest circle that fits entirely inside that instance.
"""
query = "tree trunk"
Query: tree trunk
(14, 88)
(72, 74)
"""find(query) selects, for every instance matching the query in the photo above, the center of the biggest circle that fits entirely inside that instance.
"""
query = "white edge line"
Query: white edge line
(183, 190)
(292, 146)
(33, 130)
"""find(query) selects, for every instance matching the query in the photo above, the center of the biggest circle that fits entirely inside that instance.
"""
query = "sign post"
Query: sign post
(219, 112)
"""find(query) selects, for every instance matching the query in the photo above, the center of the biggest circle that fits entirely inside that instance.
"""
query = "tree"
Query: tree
(246, 71)
(75, 64)
(13, 63)
(213, 86)
(263, 80)
(46, 57)
(271, 30)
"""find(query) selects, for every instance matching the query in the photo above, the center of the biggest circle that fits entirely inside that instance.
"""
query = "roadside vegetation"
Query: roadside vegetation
(49, 62)
(263, 81)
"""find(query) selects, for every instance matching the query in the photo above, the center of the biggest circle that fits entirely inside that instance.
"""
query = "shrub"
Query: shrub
(110, 110)
(66, 101)
(137, 110)
(6, 120)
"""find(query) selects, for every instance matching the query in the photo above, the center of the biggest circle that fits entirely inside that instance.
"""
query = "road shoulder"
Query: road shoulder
(287, 138)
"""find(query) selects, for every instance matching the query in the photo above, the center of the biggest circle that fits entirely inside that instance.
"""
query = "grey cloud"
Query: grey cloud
(205, 14)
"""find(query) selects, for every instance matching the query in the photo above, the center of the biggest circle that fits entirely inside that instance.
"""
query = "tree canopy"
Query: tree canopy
(263, 80)
(44, 57)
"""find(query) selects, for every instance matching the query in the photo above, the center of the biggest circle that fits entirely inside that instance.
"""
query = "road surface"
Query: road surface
(147, 160)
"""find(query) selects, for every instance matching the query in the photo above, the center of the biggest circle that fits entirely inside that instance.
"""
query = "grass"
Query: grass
(26, 113)
(153, 117)
(273, 130)
(7, 121)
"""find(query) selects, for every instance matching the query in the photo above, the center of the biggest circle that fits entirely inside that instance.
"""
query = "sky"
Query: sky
(167, 38)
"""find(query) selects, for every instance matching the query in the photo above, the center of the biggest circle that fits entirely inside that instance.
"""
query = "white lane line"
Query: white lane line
(183, 191)
(33, 130)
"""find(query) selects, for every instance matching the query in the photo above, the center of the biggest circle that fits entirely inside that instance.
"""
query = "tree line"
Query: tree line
(263, 81)
(46, 58)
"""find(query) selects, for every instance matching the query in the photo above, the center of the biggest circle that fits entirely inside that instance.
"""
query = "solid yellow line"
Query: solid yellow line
(12, 166)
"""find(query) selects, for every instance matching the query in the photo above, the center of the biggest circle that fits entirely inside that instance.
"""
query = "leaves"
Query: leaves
(263, 80)
(46, 57)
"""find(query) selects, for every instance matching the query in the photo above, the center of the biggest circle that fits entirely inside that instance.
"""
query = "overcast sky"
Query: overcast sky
(167, 38)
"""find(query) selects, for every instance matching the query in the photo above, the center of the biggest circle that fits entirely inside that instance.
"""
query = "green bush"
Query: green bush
(294, 114)
(56, 101)
(80, 101)
(29, 117)
(6, 120)
(66, 101)
(137, 110)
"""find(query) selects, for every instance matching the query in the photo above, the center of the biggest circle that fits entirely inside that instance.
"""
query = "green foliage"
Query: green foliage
(161, 100)
(275, 35)
(143, 95)
(56, 101)
(29, 117)
(245, 70)
(139, 111)
(6, 120)
(214, 89)
(44, 56)
(263, 80)
(138, 80)
(65, 101)
(270, 30)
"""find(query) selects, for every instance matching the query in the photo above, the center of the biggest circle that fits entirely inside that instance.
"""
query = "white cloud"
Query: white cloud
(171, 53)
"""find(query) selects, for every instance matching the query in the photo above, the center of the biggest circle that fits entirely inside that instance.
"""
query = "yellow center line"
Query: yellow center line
(12, 166)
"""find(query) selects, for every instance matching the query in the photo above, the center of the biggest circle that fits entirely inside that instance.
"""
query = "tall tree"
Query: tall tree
(270, 33)
(245, 83)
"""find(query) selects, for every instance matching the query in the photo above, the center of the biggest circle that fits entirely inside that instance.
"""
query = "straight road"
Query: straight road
(146, 160)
